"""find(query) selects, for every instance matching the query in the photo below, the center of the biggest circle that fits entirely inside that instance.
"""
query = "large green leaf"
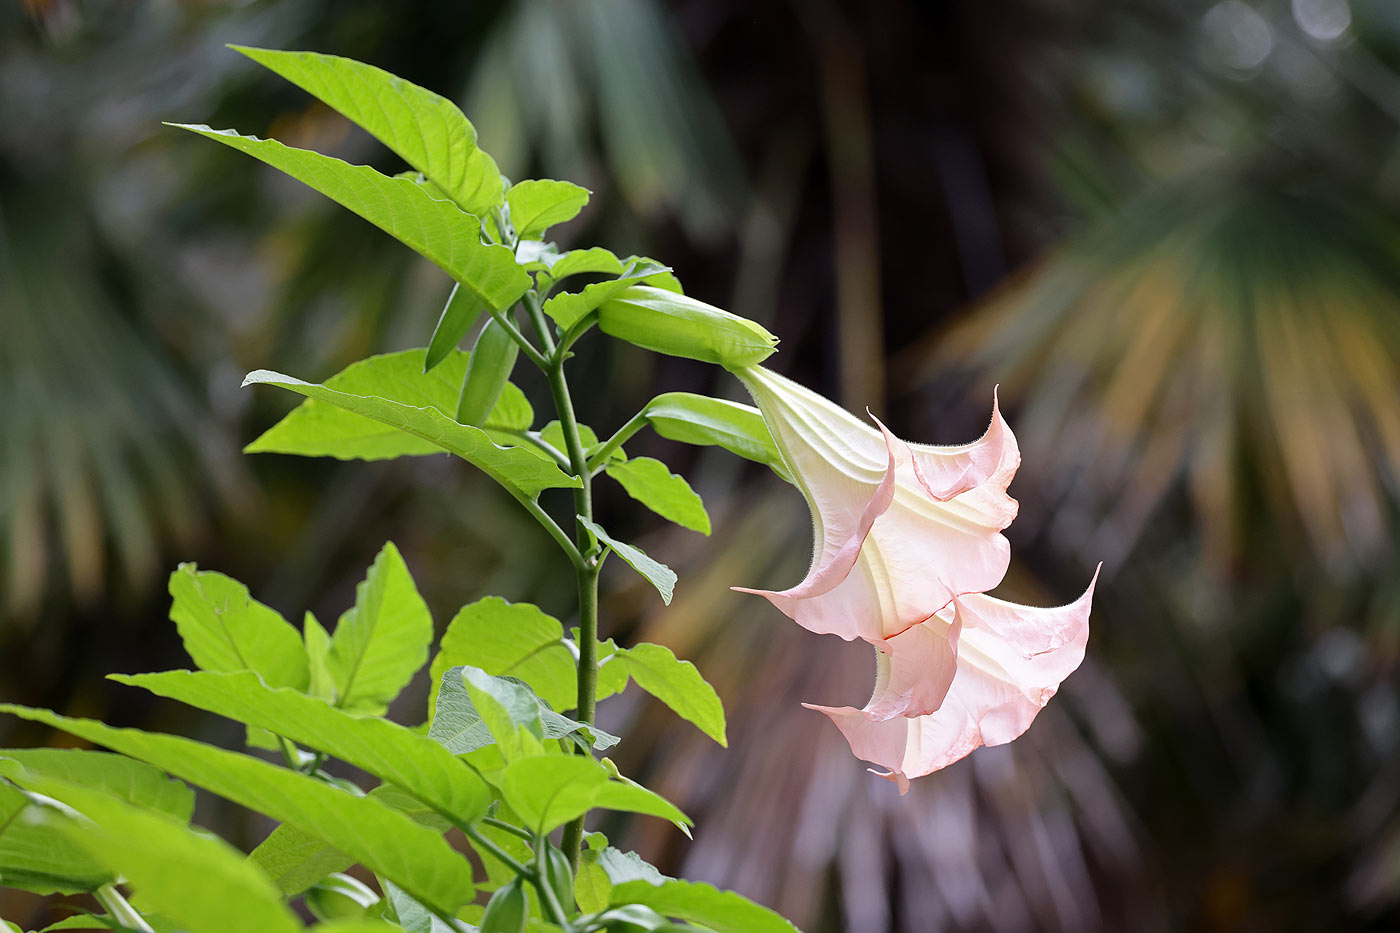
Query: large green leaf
(382, 748)
(656, 487)
(512, 467)
(317, 428)
(426, 130)
(225, 629)
(721, 911)
(511, 640)
(295, 859)
(37, 857)
(462, 727)
(383, 840)
(382, 641)
(676, 683)
(538, 204)
(547, 791)
(437, 229)
(656, 573)
(198, 881)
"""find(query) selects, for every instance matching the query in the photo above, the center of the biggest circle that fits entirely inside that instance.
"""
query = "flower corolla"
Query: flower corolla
(907, 542)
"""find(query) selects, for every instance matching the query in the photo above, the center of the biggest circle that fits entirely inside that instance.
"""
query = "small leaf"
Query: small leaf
(436, 229)
(458, 316)
(514, 467)
(705, 421)
(384, 840)
(656, 487)
(568, 308)
(547, 791)
(460, 726)
(595, 259)
(225, 629)
(592, 887)
(189, 876)
(390, 752)
(676, 683)
(511, 640)
(383, 641)
(318, 648)
(623, 867)
(721, 911)
(656, 573)
(538, 204)
(318, 428)
(425, 129)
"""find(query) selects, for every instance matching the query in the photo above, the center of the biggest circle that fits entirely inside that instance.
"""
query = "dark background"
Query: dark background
(1166, 229)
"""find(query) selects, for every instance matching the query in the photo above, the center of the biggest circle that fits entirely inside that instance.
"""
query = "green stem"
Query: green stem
(536, 312)
(543, 885)
(587, 570)
(622, 436)
(119, 910)
(560, 536)
(509, 828)
(532, 875)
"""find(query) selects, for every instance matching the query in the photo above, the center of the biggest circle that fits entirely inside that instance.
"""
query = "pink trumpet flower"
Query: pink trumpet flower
(907, 542)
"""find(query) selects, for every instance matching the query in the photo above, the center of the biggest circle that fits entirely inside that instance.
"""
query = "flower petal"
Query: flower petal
(994, 696)
(915, 668)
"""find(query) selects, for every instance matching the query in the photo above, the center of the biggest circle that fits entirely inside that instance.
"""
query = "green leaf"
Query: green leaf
(225, 629)
(318, 649)
(461, 727)
(623, 867)
(721, 911)
(190, 877)
(511, 640)
(424, 129)
(412, 916)
(676, 683)
(538, 204)
(125, 778)
(705, 421)
(39, 858)
(382, 641)
(595, 259)
(317, 428)
(295, 859)
(656, 573)
(656, 487)
(514, 467)
(383, 840)
(547, 791)
(458, 316)
(436, 229)
(592, 886)
(568, 308)
(390, 752)
(488, 373)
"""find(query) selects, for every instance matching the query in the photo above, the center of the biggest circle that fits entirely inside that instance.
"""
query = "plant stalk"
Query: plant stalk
(118, 909)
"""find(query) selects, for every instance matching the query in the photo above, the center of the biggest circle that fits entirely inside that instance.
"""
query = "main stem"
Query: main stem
(119, 910)
(585, 571)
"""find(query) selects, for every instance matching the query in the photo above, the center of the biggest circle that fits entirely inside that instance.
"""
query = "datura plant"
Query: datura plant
(908, 540)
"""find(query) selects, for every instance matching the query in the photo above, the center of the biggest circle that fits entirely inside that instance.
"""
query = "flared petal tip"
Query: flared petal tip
(896, 776)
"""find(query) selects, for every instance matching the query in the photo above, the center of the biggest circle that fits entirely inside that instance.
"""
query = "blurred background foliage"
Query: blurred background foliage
(1169, 230)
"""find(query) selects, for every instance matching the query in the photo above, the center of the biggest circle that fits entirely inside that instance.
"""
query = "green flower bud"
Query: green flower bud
(673, 324)
(507, 910)
(339, 896)
(488, 369)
